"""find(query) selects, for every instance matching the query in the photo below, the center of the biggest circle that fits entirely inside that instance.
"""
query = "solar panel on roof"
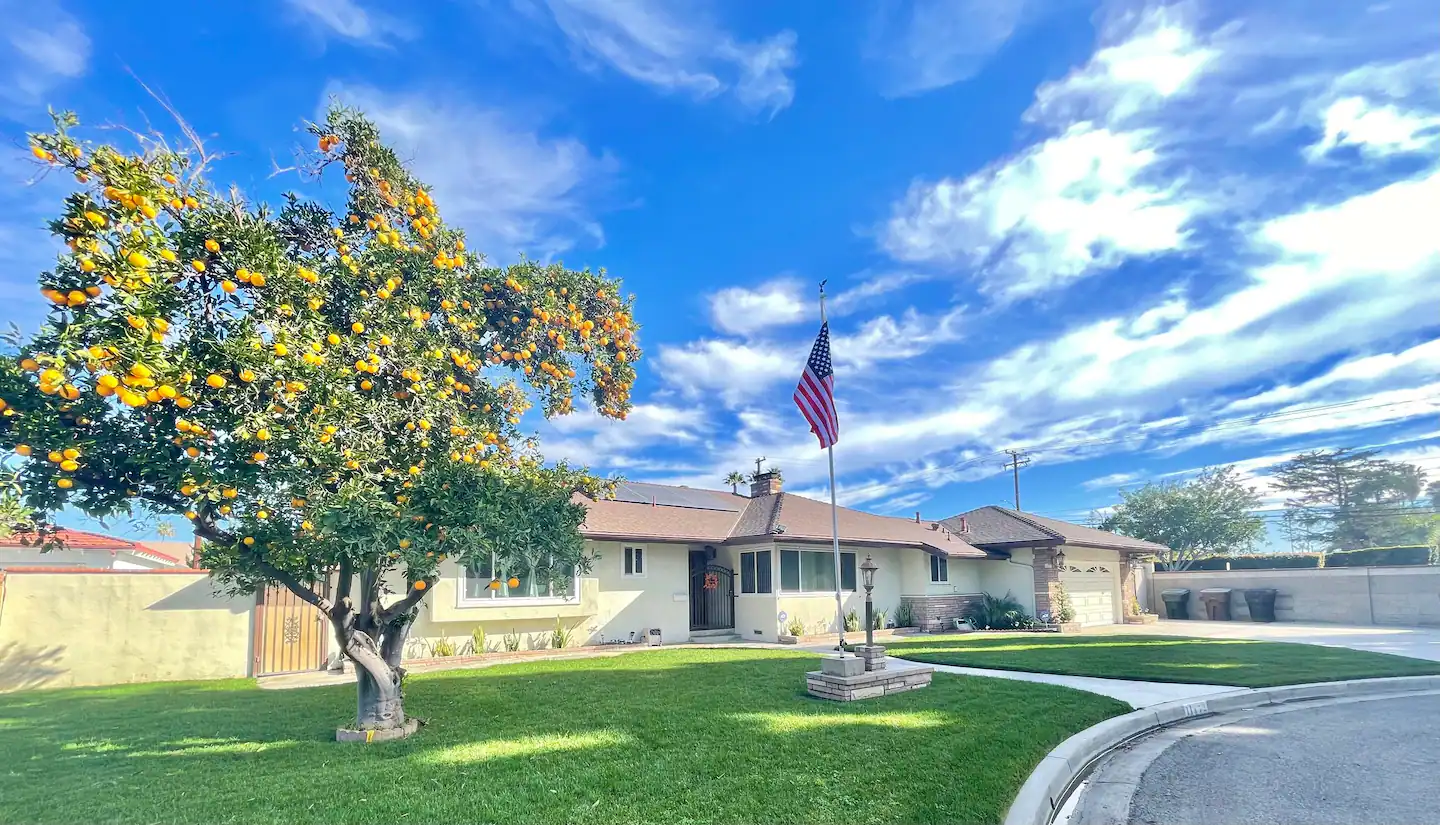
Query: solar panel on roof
(639, 492)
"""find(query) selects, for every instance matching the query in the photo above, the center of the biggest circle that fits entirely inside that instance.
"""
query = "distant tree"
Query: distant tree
(15, 516)
(768, 471)
(735, 479)
(1346, 499)
(1208, 516)
(1433, 493)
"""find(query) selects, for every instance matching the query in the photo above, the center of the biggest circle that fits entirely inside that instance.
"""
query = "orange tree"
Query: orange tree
(328, 396)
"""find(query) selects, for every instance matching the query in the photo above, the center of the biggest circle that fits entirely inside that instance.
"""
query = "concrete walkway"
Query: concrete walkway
(1415, 642)
(1136, 694)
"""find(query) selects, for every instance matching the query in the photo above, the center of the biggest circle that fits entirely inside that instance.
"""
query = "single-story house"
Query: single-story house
(711, 565)
(87, 551)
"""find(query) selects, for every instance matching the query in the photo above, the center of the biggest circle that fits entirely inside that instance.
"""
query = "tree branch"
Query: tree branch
(408, 603)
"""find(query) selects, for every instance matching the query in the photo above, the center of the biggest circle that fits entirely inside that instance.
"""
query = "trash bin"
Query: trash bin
(1177, 603)
(1217, 603)
(1261, 602)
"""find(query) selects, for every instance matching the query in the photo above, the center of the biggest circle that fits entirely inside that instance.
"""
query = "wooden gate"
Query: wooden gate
(712, 598)
(290, 634)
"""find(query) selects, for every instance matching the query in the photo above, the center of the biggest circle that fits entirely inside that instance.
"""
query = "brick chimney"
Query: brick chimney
(765, 484)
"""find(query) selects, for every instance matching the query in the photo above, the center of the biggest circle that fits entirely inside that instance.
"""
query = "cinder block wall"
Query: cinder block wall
(1343, 595)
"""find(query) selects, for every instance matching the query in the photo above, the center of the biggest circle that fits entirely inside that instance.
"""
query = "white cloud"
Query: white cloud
(1375, 130)
(886, 339)
(786, 300)
(1154, 56)
(1371, 371)
(514, 190)
(43, 47)
(1110, 480)
(733, 370)
(684, 53)
(921, 45)
(1058, 211)
(351, 21)
(586, 437)
(774, 303)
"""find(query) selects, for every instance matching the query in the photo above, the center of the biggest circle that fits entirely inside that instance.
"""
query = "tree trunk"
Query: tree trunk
(379, 699)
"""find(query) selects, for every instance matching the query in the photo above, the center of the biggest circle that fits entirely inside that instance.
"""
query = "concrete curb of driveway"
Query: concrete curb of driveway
(1061, 770)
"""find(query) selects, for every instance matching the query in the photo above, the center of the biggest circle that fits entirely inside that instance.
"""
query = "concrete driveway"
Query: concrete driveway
(1415, 642)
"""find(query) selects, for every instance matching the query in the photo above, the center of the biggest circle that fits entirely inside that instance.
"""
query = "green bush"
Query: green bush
(1367, 557)
(1379, 556)
(998, 613)
(852, 622)
(904, 615)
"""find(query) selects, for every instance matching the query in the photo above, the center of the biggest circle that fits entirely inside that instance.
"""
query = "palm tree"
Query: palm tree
(735, 479)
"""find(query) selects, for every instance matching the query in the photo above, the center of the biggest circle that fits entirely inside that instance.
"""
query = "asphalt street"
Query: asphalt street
(1363, 762)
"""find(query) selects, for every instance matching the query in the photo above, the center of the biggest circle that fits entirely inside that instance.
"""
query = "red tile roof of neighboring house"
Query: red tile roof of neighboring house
(83, 540)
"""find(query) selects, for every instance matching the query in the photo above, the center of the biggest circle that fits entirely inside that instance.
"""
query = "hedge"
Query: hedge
(1417, 554)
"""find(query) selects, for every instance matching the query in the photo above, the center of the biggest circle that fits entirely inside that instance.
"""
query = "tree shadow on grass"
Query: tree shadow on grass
(666, 736)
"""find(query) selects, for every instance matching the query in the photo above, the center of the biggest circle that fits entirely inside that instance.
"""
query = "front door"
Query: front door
(712, 594)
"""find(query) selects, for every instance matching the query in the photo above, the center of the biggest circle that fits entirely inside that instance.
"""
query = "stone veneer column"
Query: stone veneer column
(1047, 579)
(1128, 593)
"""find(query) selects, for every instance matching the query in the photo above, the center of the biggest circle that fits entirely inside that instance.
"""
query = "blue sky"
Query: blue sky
(1133, 239)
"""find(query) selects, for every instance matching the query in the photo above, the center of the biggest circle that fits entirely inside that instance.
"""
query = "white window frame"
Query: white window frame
(628, 556)
(494, 599)
(778, 583)
(939, 565)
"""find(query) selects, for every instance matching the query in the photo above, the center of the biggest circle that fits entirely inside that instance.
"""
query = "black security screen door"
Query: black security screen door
(712, 597)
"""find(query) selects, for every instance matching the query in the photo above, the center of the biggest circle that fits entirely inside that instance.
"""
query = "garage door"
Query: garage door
(1092, 592)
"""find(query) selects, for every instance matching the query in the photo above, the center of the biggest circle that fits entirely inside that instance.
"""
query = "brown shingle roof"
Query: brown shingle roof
(783, 514)
(994, 526)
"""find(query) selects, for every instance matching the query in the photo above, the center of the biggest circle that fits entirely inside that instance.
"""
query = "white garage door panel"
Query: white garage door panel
(1092, 593)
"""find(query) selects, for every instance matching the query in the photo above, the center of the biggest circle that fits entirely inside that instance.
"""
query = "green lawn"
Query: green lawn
(1161, 658)
(671, 736)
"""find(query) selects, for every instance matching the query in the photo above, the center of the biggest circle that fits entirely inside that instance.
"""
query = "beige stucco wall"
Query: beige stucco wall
(1347, 595)
(66, 629)
(817, 610)
(660, 599)
(1016, 577)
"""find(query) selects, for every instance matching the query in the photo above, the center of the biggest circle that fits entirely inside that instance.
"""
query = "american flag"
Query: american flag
(815, 394)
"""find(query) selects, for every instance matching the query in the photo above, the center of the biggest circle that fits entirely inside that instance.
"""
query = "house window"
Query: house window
(634, 562)
(813, 571)
(487, 581)
(755, 572)
(939, 569)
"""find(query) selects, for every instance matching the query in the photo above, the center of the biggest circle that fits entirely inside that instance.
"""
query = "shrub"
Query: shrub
(512, 641)
(904, 615)
(443, 648)
(879, 618)
(560, 637)
(852, 622)
(477, 641)
(1366, 557)
(998, 613)
(795, 627)
(1064, 609)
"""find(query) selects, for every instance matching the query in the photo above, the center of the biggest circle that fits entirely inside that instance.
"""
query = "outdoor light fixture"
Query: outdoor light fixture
(867, 573)
(1136, 563)
(867, 576)
(1059, 558)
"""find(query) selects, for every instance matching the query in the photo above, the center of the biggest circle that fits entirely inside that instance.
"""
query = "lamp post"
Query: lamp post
(867, 576)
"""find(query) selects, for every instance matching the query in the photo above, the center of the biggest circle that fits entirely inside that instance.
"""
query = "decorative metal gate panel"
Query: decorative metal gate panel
(712, 598)
(290, 634)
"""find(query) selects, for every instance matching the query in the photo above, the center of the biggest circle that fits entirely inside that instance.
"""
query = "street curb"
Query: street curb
(1063, 768)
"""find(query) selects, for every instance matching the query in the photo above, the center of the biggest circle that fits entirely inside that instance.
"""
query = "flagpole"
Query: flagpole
(834, 516)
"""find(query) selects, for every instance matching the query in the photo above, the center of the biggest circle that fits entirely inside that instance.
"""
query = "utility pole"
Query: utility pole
(758, 463)
(1018, 459)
